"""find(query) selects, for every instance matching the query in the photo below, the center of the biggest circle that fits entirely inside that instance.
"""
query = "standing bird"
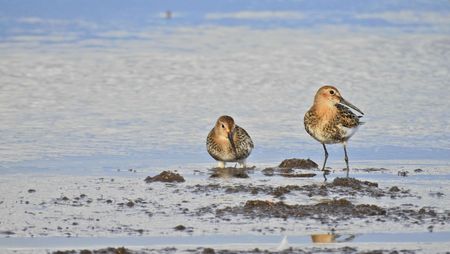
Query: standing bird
(227, 142)
(331, 121)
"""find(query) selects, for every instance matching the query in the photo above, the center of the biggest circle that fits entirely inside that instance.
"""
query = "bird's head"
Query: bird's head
(225, 126)
(330, 96)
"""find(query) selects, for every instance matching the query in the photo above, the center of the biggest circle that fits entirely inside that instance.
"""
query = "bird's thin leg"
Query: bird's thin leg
(325, 172)
(346, 158)
(326, 157)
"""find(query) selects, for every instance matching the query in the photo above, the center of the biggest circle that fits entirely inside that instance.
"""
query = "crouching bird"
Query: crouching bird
(331, 121)
(227, 142)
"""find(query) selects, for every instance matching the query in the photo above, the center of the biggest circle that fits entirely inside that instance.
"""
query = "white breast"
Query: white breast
(348, 132)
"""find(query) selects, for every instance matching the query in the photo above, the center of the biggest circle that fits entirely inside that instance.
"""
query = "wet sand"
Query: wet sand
(377, 210)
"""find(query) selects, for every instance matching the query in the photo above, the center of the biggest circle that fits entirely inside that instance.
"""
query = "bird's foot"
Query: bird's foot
(325, 173)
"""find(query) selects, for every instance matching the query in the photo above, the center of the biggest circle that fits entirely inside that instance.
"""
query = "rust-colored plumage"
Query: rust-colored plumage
(330, 120)
(227, 142)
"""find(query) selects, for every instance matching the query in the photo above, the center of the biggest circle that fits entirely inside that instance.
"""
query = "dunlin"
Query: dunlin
(227, 142)
(331, 121)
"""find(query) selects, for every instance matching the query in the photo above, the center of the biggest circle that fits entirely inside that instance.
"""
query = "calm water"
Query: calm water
(86, 86)
(218, 240)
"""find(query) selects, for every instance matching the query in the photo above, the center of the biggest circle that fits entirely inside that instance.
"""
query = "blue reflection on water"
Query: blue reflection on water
(88, 18)
(251, 240)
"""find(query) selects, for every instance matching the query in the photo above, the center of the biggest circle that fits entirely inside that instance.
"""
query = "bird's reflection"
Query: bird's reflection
(323, 238)
(331, 238)
(230, 172)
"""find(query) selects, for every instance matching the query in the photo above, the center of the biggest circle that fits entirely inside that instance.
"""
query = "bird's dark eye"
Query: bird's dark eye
(331, 92)
(223, 126)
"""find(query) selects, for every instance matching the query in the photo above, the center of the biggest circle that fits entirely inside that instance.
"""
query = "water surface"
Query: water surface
(84, 89)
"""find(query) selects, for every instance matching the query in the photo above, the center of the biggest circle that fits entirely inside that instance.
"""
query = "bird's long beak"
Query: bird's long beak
(230, 137)
(348, 104)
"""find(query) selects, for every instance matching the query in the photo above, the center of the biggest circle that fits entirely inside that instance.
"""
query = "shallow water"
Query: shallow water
(147, 107)
(97, 102)
(214, 240)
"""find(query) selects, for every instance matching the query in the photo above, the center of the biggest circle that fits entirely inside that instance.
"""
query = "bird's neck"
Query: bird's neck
(220, 137)
(325, 111)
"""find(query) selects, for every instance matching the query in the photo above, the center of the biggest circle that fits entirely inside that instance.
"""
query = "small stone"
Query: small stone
(268, 171)
(7, 232)
(403, 173)
(165, 176)
(180, 228)
(208, 251)
(394, 189)
(298, 163)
